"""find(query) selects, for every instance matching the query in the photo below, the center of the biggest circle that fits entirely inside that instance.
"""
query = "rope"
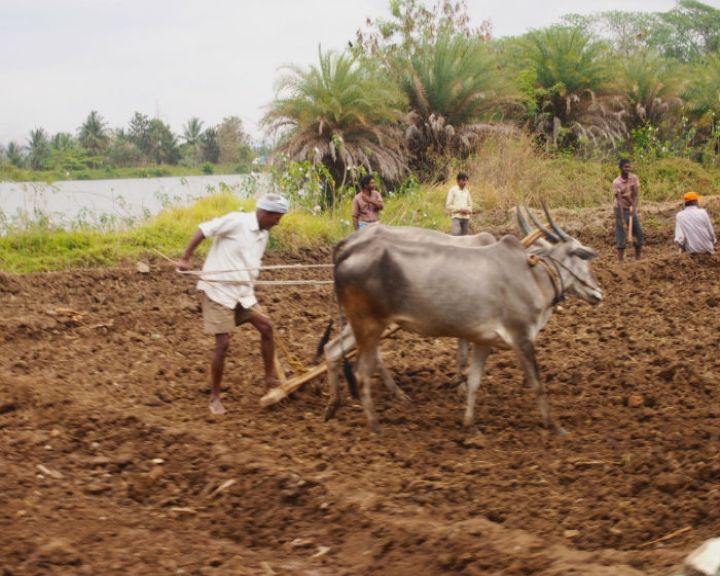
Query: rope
(289, 356)
(266, 282)
(268, 267)
(201, 274)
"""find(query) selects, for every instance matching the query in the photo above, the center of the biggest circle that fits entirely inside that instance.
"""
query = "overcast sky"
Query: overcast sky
(59, 59)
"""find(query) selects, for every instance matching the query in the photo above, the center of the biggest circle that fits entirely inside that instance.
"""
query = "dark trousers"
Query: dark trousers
(460, 226)
(622, 219)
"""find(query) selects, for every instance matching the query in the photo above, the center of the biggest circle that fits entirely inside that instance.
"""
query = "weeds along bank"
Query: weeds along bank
(504, 174)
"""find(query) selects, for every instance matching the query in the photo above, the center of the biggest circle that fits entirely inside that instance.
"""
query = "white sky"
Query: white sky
(59, 59)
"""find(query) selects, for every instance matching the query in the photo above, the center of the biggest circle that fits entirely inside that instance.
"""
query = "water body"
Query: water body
(113, 203)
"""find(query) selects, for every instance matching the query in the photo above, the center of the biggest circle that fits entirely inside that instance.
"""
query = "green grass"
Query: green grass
(40, 247)
(11, 173)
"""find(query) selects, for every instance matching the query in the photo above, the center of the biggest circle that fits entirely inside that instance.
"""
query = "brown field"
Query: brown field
(110, 463)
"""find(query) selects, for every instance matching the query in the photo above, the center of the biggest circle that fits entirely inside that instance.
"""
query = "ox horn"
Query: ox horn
(559, 231)
(549, 235)
(522, 222)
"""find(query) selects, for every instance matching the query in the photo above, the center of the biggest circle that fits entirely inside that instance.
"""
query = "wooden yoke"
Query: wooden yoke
(530, 239)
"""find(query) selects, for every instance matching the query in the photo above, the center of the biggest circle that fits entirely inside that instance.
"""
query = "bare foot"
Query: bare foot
(216, 406)
(270, 383)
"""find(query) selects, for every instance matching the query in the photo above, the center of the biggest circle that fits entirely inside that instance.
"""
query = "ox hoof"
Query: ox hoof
(330, 412)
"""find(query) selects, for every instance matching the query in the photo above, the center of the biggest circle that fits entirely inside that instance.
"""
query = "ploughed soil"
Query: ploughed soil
(110, 462)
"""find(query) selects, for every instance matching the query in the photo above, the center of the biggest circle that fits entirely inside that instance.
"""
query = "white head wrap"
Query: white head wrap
(273, 203)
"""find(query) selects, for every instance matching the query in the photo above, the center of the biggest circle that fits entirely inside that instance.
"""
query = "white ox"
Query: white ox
(495, 296)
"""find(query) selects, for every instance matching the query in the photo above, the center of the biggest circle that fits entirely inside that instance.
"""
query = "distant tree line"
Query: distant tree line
(422, 87)
(145, 141)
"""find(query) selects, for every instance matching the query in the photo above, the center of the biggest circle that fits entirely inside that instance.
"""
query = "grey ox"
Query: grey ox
(492, 296)
(345, 341)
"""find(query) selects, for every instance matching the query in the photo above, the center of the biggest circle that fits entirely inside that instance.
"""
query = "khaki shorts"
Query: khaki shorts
(218, 319)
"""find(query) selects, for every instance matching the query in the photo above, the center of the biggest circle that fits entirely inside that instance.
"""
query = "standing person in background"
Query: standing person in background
(367, 204)
(626, 189)
(459, 205)
(228, 298)
(694, 231)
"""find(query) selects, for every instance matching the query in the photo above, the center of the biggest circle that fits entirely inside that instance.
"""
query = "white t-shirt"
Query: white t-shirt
(238, 244)
(694, 230)
(458, 199)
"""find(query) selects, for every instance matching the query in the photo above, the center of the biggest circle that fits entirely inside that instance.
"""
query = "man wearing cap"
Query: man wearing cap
(626, 189)
(694, 231)
(228, 295)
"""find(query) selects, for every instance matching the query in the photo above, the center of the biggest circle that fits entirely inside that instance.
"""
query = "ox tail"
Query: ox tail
(350, 378)
(323, 341)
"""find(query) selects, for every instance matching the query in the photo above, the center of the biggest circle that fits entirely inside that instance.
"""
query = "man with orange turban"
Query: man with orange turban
(694, 231)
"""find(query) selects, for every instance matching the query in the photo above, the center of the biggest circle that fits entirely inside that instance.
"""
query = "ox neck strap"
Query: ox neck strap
(554, 275)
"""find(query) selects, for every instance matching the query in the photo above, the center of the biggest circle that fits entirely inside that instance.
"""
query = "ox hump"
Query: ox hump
(511, 242)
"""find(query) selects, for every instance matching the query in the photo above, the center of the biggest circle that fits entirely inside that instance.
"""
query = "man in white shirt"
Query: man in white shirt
(459, 205)
(694, 231)
(228, 294)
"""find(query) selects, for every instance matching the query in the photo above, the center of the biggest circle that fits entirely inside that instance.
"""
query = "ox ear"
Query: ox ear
(584, 253)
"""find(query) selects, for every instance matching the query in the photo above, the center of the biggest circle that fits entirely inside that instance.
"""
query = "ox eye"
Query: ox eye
(584, 253)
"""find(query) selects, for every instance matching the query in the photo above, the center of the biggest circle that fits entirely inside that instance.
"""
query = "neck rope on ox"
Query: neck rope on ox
(550, 265)
(559, 297)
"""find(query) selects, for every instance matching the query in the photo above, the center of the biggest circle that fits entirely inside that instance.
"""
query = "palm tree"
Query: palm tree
(209, 148)
(92, 135)
(454, 86)
(340, 114)
(39, 153)
(62, 141)
(571, 75)
(192, 131)
(14, 154)
(651, 89)
(703, 102)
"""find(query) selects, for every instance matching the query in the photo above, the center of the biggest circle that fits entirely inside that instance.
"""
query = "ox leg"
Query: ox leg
(343, 343)
(389, 381)
(462, 355)
(364, 371)
(462, 360)
(529, 362)
(479, 355)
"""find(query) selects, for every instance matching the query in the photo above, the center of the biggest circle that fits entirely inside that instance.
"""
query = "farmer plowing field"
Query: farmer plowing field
(227, 285)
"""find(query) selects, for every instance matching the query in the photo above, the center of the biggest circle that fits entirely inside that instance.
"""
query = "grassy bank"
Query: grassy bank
(11, 173)
(504, 174)
(508, 171)
(39, 247)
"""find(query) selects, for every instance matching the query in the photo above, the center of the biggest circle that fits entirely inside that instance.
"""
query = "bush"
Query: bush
(207, 168)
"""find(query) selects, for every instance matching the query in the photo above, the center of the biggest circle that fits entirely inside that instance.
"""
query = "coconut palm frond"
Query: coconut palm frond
(338, 98)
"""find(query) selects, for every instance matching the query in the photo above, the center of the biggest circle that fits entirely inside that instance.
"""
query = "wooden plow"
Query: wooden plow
(288, 386)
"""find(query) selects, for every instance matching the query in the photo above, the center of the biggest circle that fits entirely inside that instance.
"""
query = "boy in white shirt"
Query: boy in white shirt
(459, 205)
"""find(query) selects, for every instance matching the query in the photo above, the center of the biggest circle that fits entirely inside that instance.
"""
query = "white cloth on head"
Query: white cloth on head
(238, 244)
(273, 203)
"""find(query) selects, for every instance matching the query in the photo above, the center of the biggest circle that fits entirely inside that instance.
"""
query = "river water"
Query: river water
(112, 203)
